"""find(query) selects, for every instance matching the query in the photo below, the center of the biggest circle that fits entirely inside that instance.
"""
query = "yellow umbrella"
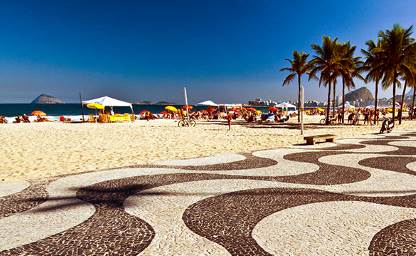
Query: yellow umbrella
(171, 109)
(258, 112)
(95, 106)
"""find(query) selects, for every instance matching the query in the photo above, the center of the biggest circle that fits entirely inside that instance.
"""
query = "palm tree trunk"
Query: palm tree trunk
(375, 102)
(413, 102)
(299, 78)
(401, 106)
(343, 100)
(333, 103)
(328, 107)
(394, 99)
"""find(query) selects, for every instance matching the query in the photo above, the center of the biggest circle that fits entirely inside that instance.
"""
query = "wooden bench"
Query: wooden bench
(311, 140)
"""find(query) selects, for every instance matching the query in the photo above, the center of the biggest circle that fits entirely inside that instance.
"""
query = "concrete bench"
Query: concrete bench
(311, 140)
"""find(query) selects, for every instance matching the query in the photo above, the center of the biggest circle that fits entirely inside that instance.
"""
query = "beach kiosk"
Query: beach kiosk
(111, 102)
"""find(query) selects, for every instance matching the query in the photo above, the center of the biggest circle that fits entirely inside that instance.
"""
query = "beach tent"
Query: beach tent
(208, 103)
(347, 106)
(285, 105)
(108, 102)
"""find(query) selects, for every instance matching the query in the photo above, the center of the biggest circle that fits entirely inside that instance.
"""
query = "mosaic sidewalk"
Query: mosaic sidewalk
(353, 197)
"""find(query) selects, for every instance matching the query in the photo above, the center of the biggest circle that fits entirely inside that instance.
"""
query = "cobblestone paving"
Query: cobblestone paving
(299, 201)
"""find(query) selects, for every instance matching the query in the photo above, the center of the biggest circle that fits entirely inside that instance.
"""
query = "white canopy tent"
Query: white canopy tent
(109, 102)
(347, 105)
(285, 105)
(208, 103)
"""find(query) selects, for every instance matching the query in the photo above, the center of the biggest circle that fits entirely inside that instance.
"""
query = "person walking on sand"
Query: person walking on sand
(229, 117)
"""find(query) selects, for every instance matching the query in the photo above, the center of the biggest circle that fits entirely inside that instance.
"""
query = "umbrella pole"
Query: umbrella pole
(82, 107)
(186, 103)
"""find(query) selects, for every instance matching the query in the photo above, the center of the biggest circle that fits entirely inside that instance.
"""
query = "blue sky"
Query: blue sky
(224, 50)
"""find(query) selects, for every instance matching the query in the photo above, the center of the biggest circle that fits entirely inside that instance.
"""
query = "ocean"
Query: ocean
(73, 109)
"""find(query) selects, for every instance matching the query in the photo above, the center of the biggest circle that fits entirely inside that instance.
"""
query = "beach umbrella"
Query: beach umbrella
(38, 113)
(95, 106)
(208, 103)
(171, 109)
(272, 109)
(259, 112)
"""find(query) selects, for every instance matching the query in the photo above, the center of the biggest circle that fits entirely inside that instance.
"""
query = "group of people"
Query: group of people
(22, 119)
(355, 117)
(368, 116)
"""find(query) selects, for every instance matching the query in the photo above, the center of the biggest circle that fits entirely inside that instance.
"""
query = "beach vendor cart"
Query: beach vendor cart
(111, 102)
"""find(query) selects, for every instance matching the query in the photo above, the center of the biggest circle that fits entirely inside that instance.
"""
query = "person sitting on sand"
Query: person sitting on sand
(41, 119)
(3, 120)
(25, 119)
(17, 120)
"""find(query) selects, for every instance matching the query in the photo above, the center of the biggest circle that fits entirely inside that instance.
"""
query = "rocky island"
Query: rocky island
(47, 99)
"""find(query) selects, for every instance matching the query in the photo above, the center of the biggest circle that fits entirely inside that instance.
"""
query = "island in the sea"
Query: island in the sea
(47, 99)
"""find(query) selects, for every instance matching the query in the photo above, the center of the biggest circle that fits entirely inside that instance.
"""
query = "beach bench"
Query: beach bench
(311, 140)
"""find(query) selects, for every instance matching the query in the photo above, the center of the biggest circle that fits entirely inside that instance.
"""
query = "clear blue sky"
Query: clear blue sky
(225, 50)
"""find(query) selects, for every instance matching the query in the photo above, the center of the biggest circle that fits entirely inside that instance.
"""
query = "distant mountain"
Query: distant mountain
(47, 99)
(164, 103)
(362, 96)
(145, 102)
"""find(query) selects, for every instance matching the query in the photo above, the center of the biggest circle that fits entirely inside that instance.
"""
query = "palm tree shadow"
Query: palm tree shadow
(114, 197)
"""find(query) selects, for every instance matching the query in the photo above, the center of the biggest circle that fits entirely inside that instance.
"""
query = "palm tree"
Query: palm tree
(350, 68)
(403, 97)
(371, 65)
(413, 85)
(396, 45)
(325, 61)
(299, 66)
(409, 80)
(413, 98)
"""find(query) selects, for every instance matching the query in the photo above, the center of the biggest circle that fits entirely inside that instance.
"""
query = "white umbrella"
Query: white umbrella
(109, 102)
(208, 103)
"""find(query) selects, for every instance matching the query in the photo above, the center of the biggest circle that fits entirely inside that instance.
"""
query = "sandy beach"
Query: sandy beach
(40, 150)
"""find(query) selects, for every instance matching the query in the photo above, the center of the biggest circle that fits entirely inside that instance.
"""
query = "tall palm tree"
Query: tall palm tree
(408, 80)
(396, 45)
(325, 62)
(349, 68)
(414, 96)
(372, 66)
(403, 98)
(412, 84)
(299, 66)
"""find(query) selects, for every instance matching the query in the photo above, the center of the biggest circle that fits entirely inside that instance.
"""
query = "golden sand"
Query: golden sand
(40, 150)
